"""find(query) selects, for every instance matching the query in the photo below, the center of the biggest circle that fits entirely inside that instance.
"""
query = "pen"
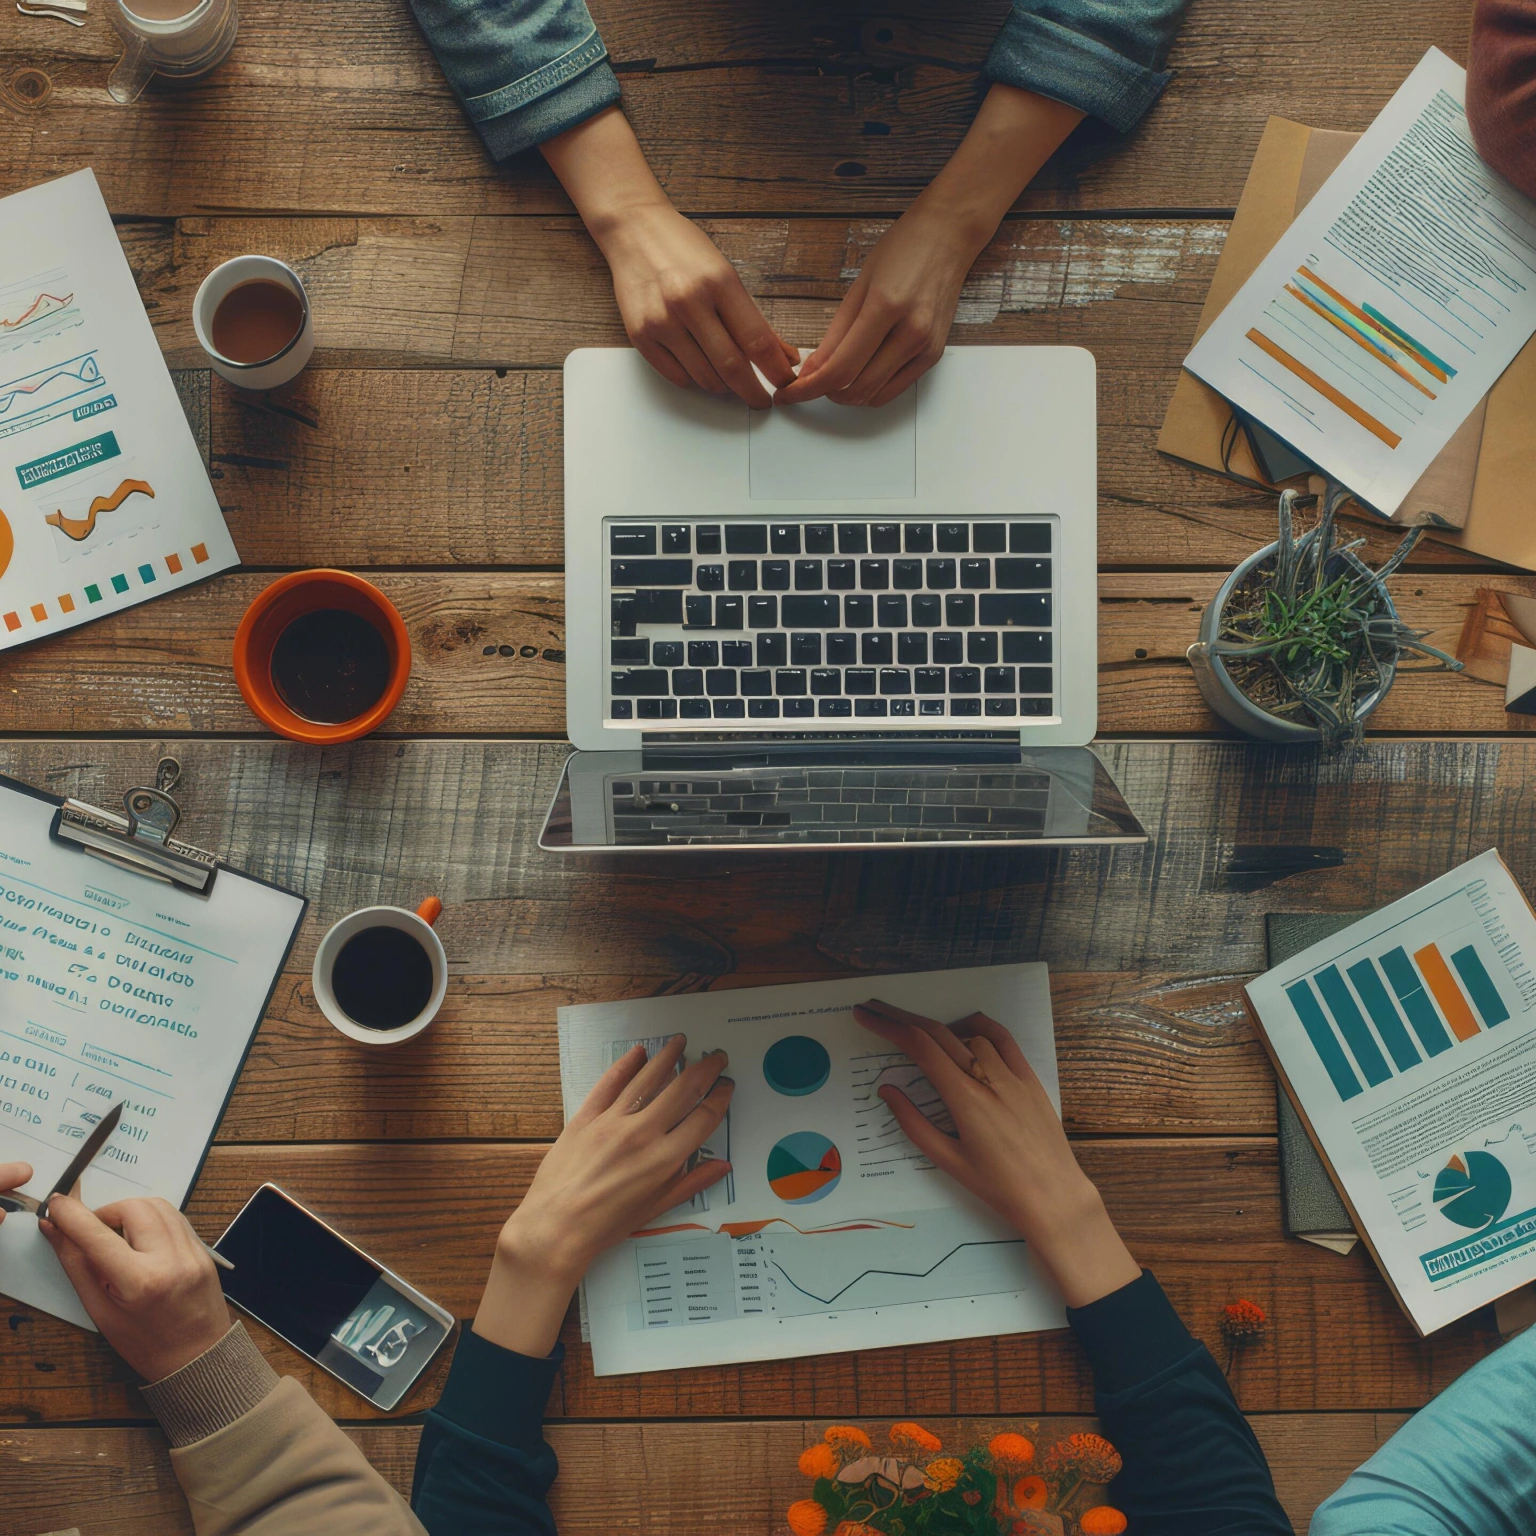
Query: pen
(217, 1257)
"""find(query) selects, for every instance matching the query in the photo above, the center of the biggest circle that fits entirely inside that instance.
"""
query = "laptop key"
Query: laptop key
(989, 538)
(1034, 679)
(658, 709)
(775, 575)
(622, 709)
(954, 537)
(798, 709)
(892, 610)
(807, 575)
(676, 539)
(895, 680)
(763, 709)
(784, 538)
(927, 611)
(700, 612)
(703, 653)
(858, 611)
(651, 573)
(1027, 648)
(811, 611)
(1034, 706)
(727, 613)
(906, 575)
(840, 575)
(869, 706)
(632, 541)
(874, 575)
(912, 649)
(858, 680)
(763, 612)
(630, 651)
(805, 650)
(885, 538)
(852, 539)
(948, 647)
(1031, 610)
(981, 647)
(735, 653)
(842, 650)
(772, 650)
(998, 680)
(746, 539)
(720, 683)
(929, 680)
(941, 575)
(919, 538)
(742, 575)
(789, 681)
(1024, 575)
(834, 707)
(931, 706)
(904, 706)
(730, 709)
(709, 578)
(1002, 706)
(693, 709)
(965, 679)
(1029, 538)
(965, 706)
(819, 539)
(667, 653)
(706, 538)
(758, 685)
(687, 682)
(875, 649)
(663, 607)
(960, 609)
(826, 680)
(976, 575)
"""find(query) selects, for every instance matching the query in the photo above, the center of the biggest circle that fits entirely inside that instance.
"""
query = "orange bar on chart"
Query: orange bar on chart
(1437, 977)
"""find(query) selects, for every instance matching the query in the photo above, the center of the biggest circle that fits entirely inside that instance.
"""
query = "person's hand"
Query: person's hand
(622, 1159)
(13, 1176)
(891, 327)
(144, 1277)
(685, 308)
(1010, 1149)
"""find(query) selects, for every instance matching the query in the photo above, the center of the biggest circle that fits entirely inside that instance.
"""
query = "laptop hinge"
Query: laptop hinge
(716, 751)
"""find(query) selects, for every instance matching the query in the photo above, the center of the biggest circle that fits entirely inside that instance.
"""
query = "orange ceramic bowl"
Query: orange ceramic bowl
(289, 598)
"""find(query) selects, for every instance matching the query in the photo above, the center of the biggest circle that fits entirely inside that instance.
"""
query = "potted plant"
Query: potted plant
(1302, 641)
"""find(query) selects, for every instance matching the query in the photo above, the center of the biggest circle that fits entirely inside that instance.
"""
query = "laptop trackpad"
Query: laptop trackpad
(822, 451)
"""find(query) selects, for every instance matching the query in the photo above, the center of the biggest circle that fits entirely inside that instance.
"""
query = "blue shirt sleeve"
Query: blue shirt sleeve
(523, 70)
(1192, 1466)
(483, 1467)
(1104, 57)
(1463, 1466)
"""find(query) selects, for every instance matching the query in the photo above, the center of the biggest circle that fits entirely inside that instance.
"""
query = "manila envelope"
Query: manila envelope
(1480, 484)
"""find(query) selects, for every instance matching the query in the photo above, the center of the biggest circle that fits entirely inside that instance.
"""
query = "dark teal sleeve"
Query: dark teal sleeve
(483, 1467)
(1192, 1466)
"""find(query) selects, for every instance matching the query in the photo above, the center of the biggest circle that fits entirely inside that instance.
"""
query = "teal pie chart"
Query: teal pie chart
(1473, 1191)
(796, 1065)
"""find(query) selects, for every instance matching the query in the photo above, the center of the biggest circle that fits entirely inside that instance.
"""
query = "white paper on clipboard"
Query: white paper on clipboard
(114, 985)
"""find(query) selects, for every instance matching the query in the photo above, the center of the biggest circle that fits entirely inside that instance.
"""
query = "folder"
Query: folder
(1476, 493)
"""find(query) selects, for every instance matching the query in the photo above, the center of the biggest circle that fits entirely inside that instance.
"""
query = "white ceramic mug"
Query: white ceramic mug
(179, 42)
(419, 925)
(271, 371)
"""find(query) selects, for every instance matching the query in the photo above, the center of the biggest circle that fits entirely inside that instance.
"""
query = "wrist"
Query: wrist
(528, 1291)
(1081, 1248)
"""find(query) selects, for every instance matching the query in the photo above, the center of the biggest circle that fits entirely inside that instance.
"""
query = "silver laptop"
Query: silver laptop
(829, 626)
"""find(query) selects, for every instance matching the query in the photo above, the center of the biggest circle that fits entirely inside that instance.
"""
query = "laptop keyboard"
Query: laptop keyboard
(748, 624)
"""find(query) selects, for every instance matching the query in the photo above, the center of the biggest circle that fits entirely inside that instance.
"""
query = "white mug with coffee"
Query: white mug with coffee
(381, 974)
(252, 318)
(180, 39)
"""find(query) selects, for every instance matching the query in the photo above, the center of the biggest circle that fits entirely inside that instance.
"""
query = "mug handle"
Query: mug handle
(133, 71)
(430, 910)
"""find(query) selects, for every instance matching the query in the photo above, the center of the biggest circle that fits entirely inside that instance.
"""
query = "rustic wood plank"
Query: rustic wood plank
(641, 1478)
(384, 821)
(489, 658)
(866, 106)
(1204, 1213)
(412, 467)
(1138, 1054)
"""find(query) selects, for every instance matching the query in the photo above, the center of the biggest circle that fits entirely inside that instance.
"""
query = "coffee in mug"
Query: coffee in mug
(252, 317)
(381, 974)
(331, 666)
(256, 319)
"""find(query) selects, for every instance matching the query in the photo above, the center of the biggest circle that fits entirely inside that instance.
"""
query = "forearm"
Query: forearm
(604, 172)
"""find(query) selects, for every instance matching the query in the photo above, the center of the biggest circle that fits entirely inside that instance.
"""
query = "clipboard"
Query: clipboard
(147, 981)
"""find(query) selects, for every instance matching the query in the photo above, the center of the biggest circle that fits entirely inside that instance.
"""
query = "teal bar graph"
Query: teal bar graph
(1433, 1035)
(1324, 1041)
(1477, 981)
(1357, 1035)
(1388, 1021)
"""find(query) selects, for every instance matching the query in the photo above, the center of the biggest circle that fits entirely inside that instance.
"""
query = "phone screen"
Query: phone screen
(338, 1306)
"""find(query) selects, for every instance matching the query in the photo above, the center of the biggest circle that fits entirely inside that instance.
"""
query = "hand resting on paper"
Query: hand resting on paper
(622, 1159)
(144, 1277)
(13, 1176)
(1010, 1148)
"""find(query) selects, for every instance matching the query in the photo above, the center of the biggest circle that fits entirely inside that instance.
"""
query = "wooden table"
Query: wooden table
(423, 446)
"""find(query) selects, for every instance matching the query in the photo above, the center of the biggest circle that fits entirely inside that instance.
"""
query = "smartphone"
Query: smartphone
(302, 1279)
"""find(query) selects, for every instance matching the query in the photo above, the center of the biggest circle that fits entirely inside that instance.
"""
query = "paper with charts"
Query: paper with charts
(1408, 1041)
(114, 985)
(104, 501)
(1393, 303)
(832, 1232)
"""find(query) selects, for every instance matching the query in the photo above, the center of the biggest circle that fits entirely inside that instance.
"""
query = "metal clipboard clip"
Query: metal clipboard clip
(141, 840)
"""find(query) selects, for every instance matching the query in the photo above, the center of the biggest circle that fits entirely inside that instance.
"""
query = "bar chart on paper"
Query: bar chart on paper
(1434, 981)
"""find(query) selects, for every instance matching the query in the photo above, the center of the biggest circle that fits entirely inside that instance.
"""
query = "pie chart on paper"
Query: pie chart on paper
(804, 1167)
(7, 543)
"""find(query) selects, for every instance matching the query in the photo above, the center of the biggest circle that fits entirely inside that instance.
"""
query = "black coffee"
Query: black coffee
(382, 978)
(330, 666)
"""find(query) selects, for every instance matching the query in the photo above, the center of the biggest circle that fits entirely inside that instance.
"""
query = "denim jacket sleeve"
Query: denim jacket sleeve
(523, 70)
(1104, 57)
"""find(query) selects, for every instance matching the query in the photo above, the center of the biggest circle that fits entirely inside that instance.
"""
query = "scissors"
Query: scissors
(82, 1160)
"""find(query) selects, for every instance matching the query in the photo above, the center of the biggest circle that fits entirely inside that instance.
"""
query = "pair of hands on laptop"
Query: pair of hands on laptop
(624, 1159)
(692, 319)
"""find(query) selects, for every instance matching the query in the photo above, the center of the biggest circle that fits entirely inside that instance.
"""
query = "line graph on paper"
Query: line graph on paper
(879, 1143)
(60, 389)
(36, 309)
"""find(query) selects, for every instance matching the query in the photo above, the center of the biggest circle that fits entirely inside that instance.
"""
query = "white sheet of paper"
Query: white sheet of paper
(832, 1232)
(104, 500)
(113, 985)
(1393, 303)
(1409, 1040)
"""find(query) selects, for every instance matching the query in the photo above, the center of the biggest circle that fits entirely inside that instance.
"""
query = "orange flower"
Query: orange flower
(1011, 1452)
(971, 1496)
(1243, 1320)
(846, 1438)
(1088, 1457)
(1030, 1493)
(807, 1518)
(1101, 1520)
(819, 1460)
(914, 1440)
(943, 1474)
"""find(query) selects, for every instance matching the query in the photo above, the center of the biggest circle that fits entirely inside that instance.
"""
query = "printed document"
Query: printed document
(104, 501)
(831, 1232)
(1391, 306)
(1408, 1043)
(117, 986)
